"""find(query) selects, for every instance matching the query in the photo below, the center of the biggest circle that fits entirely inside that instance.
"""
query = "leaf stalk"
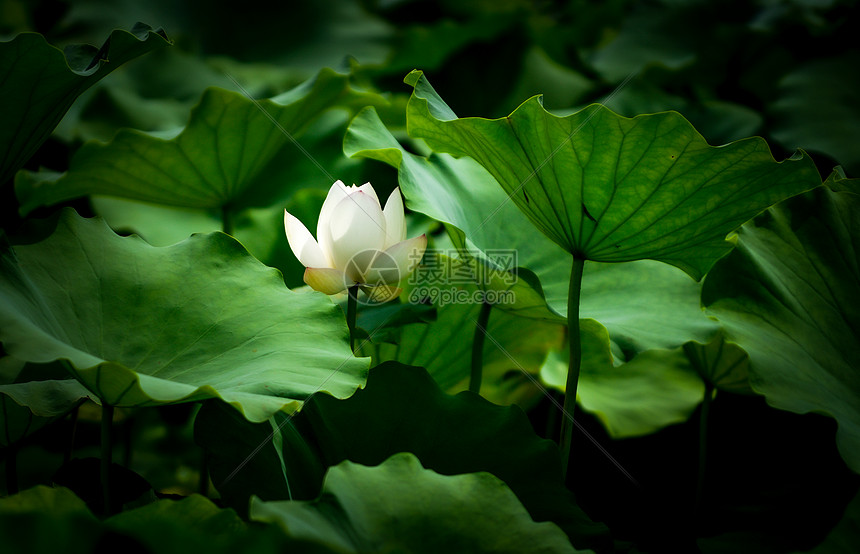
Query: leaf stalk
(107, 455)
(227, 220)
(351, 309)
(478, 347)
(574, 364)
(703, 444)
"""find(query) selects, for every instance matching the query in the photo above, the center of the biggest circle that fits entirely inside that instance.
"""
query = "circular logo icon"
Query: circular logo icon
(378, 274)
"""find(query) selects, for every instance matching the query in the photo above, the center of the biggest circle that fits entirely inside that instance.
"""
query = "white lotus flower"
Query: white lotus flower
(358, 243)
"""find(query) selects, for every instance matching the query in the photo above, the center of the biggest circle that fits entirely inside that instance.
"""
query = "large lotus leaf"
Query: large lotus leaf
(655, 389)
(611, 189)
(400, 410)
(142, 325)
(400, 506)
(38, 84)
(644, 304)
(227, 155)
(462, 194)
(260, 230)
(789, 295)
(26, 407)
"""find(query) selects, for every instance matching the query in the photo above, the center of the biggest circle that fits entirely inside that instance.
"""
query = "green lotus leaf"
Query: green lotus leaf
(228, 156)
(183, 524)
(722, 363)
(400, 410)
(611, 189)
(839, 182)
(655, 389)
(401, 506)
(789, 295)
(444, 347)
(38, 84)
(460, 193)
(44, 520)
(260, 230)
(145, 326)
(644, 304)
(196, 524)
(26, 407)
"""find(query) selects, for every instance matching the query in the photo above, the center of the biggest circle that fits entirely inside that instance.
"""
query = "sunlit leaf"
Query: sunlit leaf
(612, 189)
(399, 505)
(260, 230)
(644, 304)
(461, 194)
(655, 389)
(145, 326)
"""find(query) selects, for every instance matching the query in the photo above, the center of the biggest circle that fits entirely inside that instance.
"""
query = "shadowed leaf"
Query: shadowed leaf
(790, 296)
(38, 84)
(400, 506)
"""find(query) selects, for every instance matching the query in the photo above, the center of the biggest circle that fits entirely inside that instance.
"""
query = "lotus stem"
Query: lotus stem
(565, 442)
(351, 309)
(107, 458)
(227, 220)
(73, 421)
(703, 444)
(478, 347)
